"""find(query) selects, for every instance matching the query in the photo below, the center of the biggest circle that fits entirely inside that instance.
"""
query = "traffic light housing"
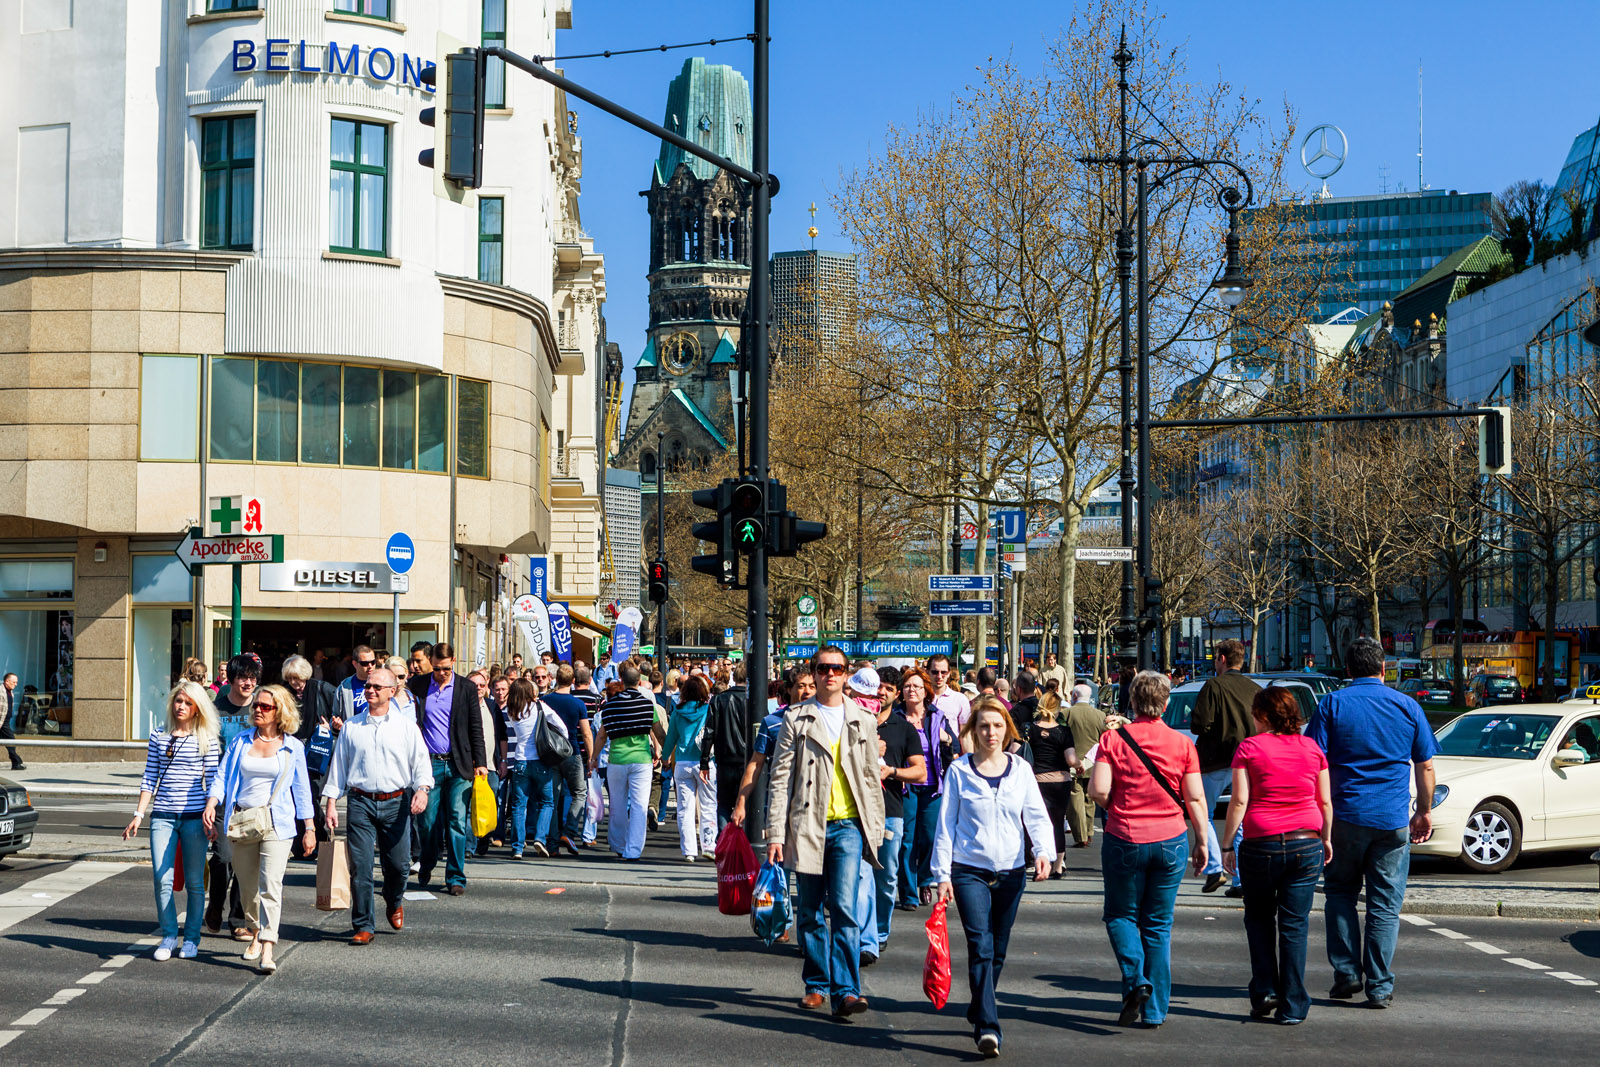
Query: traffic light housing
(1494, 442)
(723, 563)
(1152, 604)
(749, 514)
(658, 581)
(787, 532)
(458, 130)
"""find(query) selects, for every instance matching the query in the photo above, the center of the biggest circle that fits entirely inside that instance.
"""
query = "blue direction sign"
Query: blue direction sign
(1006, 571)
(960, 583)
(961, 607)
(400, 553)
(920, 648)
(1013, 523)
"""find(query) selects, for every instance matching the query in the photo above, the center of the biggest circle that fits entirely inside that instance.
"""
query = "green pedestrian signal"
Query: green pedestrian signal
(749, 532)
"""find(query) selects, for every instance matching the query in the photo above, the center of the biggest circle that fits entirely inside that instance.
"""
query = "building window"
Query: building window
(233, 384)
(36, 626)
(361, 417)
(557, 580)
(491, 238)
(232, 5)
(277, 411)
(227, 182)
(372, 9)
(169, 408)
(433, 422)
(321, 398)
(494, 35)
(472, 428)
(399, 420)
(358, 198)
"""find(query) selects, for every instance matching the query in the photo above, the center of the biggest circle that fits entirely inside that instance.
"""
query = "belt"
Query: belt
(376, 796)
(438, 755)
(1292, 835)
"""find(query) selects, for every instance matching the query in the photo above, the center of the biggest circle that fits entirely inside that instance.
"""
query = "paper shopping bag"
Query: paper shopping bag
(333, 876)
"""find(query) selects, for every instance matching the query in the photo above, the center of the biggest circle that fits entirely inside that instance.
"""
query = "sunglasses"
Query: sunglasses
(938, 674)
(365, 662)
(369, 687)
(829, 668)
(267, 704)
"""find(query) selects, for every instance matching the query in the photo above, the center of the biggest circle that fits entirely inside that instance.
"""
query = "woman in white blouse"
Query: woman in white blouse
(990, 796)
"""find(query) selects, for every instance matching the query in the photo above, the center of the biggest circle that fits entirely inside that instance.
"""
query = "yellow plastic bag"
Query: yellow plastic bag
(485, 811)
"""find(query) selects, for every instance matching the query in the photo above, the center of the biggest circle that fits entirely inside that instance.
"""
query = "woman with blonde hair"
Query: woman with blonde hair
(1054, 761)
(179, 765)
(402, 701)
(264, 790)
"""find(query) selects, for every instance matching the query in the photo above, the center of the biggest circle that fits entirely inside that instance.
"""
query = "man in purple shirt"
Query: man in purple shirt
(452, 732)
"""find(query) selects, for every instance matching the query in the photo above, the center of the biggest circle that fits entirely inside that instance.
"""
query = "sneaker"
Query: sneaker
(163, 951)
(988, 1045)
(416, 865)
(189, 951)
(1213, 882)
(568, 846)
(1234, 891)
(688, 859)
(540, 850)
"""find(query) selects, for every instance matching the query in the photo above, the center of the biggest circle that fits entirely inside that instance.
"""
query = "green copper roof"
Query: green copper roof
(709, 103)
(1479, 257)
(725, 352)
(647, 358)
(700, 417)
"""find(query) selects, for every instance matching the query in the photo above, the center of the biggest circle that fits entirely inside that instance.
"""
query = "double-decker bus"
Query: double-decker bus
(1515, 654)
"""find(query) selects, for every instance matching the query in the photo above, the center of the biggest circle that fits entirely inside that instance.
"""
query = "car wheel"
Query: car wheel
(1492, 840)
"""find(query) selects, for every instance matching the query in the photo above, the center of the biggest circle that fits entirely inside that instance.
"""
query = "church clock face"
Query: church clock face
(679, 353)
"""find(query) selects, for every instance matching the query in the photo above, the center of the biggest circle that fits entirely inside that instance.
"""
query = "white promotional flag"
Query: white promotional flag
(533, 616)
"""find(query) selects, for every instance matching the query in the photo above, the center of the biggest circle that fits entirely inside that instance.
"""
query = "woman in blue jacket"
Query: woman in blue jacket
(264, 768)
(696, 789)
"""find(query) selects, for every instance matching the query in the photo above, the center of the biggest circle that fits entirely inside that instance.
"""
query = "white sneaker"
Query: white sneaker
(189, 951)
(416, 865)
(163, 951)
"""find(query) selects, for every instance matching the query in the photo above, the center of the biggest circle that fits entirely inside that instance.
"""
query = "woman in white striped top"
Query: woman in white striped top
(178, 768)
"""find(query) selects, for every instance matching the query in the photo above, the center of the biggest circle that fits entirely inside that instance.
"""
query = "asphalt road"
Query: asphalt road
(93, 817)
(525, 971)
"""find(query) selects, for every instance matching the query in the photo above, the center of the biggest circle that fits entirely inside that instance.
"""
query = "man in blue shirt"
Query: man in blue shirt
(1376, 739)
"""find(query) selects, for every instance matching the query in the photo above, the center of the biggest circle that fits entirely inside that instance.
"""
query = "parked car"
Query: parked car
(17, 817)
(1486, 690)
(1321, 684)
(1433, 692)
(1181, 704)
(1518, 779)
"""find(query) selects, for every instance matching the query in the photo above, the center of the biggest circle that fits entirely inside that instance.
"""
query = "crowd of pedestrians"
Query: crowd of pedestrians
(884, 789)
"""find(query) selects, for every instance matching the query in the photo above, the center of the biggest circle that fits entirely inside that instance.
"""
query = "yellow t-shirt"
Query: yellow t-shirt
(841, 805)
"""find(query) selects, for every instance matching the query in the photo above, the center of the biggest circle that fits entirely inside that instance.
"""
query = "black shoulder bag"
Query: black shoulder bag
(1161, 779)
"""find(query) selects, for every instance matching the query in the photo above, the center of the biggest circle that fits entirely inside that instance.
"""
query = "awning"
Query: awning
(589, 624)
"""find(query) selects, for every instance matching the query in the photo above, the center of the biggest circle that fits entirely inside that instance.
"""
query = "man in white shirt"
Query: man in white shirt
(379, 756)
(949, 698)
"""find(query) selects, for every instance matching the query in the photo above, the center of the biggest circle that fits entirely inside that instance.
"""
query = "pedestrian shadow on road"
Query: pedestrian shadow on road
(1107, 998)
(704, 900)
(1585, 941)
(685, 939)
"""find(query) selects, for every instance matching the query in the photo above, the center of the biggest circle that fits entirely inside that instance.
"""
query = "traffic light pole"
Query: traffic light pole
(661, 551)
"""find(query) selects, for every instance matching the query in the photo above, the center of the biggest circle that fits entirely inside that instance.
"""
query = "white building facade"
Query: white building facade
(223, 273)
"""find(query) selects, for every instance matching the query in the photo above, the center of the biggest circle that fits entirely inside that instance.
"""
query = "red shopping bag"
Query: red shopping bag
(177, 868)
(736, 871)
(936, 968)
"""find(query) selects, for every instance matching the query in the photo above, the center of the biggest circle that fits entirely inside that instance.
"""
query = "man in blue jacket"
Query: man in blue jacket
(1377, 739)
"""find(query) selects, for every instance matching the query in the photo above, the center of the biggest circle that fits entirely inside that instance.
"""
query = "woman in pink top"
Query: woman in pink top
(1281, 796)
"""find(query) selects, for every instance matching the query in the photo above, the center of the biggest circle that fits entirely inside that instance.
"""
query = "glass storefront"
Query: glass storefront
(36, 628)
(162, 621)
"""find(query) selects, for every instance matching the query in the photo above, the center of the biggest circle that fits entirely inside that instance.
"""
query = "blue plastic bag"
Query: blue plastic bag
(770, 912)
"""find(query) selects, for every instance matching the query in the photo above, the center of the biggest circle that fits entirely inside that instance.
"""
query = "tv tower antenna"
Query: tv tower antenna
(1421, 185)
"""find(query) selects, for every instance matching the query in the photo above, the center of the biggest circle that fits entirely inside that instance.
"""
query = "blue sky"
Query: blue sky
(1503, 96)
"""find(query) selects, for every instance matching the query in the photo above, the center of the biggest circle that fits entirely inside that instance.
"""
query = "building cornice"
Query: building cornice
(117, 259)
(508, 299)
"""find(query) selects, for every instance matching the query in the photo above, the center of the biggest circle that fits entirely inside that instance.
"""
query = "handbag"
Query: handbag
(319, 750)
(254, 824)
(553, 749)
(484, 809)
(1161, 779)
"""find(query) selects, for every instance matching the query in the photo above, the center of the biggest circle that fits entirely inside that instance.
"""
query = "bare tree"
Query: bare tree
(1251, 573)
(1520, 217)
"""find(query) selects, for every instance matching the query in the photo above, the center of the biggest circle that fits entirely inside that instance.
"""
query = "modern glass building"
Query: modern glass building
(1580, 175)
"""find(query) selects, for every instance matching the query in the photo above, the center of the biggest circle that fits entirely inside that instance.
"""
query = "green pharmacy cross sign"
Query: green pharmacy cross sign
(225, 514)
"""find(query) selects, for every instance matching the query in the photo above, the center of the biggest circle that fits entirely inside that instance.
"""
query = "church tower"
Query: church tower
(700, 219)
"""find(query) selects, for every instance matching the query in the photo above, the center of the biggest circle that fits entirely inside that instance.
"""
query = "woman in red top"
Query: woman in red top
(1146, 843)
(1281, 796)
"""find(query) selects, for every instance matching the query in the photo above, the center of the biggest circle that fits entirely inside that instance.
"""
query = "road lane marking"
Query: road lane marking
(1485, 947)
(1574, 979)
(94, 978)
(64, 996)
(1414, 920)
(1518, 961)
(30, 899)
(118, 961)
(7, 1036)
(34, 1017)
(1451, 934)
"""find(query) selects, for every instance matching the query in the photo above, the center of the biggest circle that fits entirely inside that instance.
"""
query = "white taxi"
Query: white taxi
(1516, 778)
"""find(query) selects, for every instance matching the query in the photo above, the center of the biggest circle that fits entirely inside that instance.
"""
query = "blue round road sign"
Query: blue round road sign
(400, 553)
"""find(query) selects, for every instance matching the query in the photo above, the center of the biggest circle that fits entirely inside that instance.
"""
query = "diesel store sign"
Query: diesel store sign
(314, 576)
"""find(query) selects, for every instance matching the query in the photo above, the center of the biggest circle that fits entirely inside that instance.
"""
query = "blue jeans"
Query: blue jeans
(1215, 782)
(167, 829)
(920, 830)
(908, 882)
(531, 778)
(1279, 879)
(1381, 858)
(832, 964)
(876, 895)
(445, 826)
(1141, 888)
(987, 902)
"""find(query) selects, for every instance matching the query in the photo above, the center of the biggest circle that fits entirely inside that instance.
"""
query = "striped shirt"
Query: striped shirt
(628, 714)
(184, 776)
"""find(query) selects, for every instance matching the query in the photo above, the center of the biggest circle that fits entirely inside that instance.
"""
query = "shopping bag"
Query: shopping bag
(936, 968)
(596, 803)
(736, 871)
(333, 876)
(177, 868)
(769, 903)
(485, 813)
(319, 750)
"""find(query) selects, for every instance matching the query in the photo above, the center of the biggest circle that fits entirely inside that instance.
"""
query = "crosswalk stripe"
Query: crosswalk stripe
(31, 898)
(1414, 920)
(34, 1017)
(1482, 946)
(1518, 961)
(7, 1036)
(1453, 935)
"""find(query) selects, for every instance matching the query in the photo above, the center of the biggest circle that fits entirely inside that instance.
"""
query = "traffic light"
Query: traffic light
(1152, 603)
(787, 533)
(749, 518)
(459, 137)
(1494, 442)
(723, 564)
(658, 581)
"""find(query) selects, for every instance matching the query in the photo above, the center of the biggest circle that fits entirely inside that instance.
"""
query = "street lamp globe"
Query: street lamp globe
(1231, 295)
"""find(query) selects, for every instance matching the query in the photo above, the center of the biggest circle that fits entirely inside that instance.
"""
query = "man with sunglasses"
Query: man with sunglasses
(452, 731)
(379, 759)
(949, 699)
(827, 817)
(352, 691)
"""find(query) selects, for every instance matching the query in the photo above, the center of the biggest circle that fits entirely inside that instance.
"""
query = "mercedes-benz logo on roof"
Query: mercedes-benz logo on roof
(1322, 152)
